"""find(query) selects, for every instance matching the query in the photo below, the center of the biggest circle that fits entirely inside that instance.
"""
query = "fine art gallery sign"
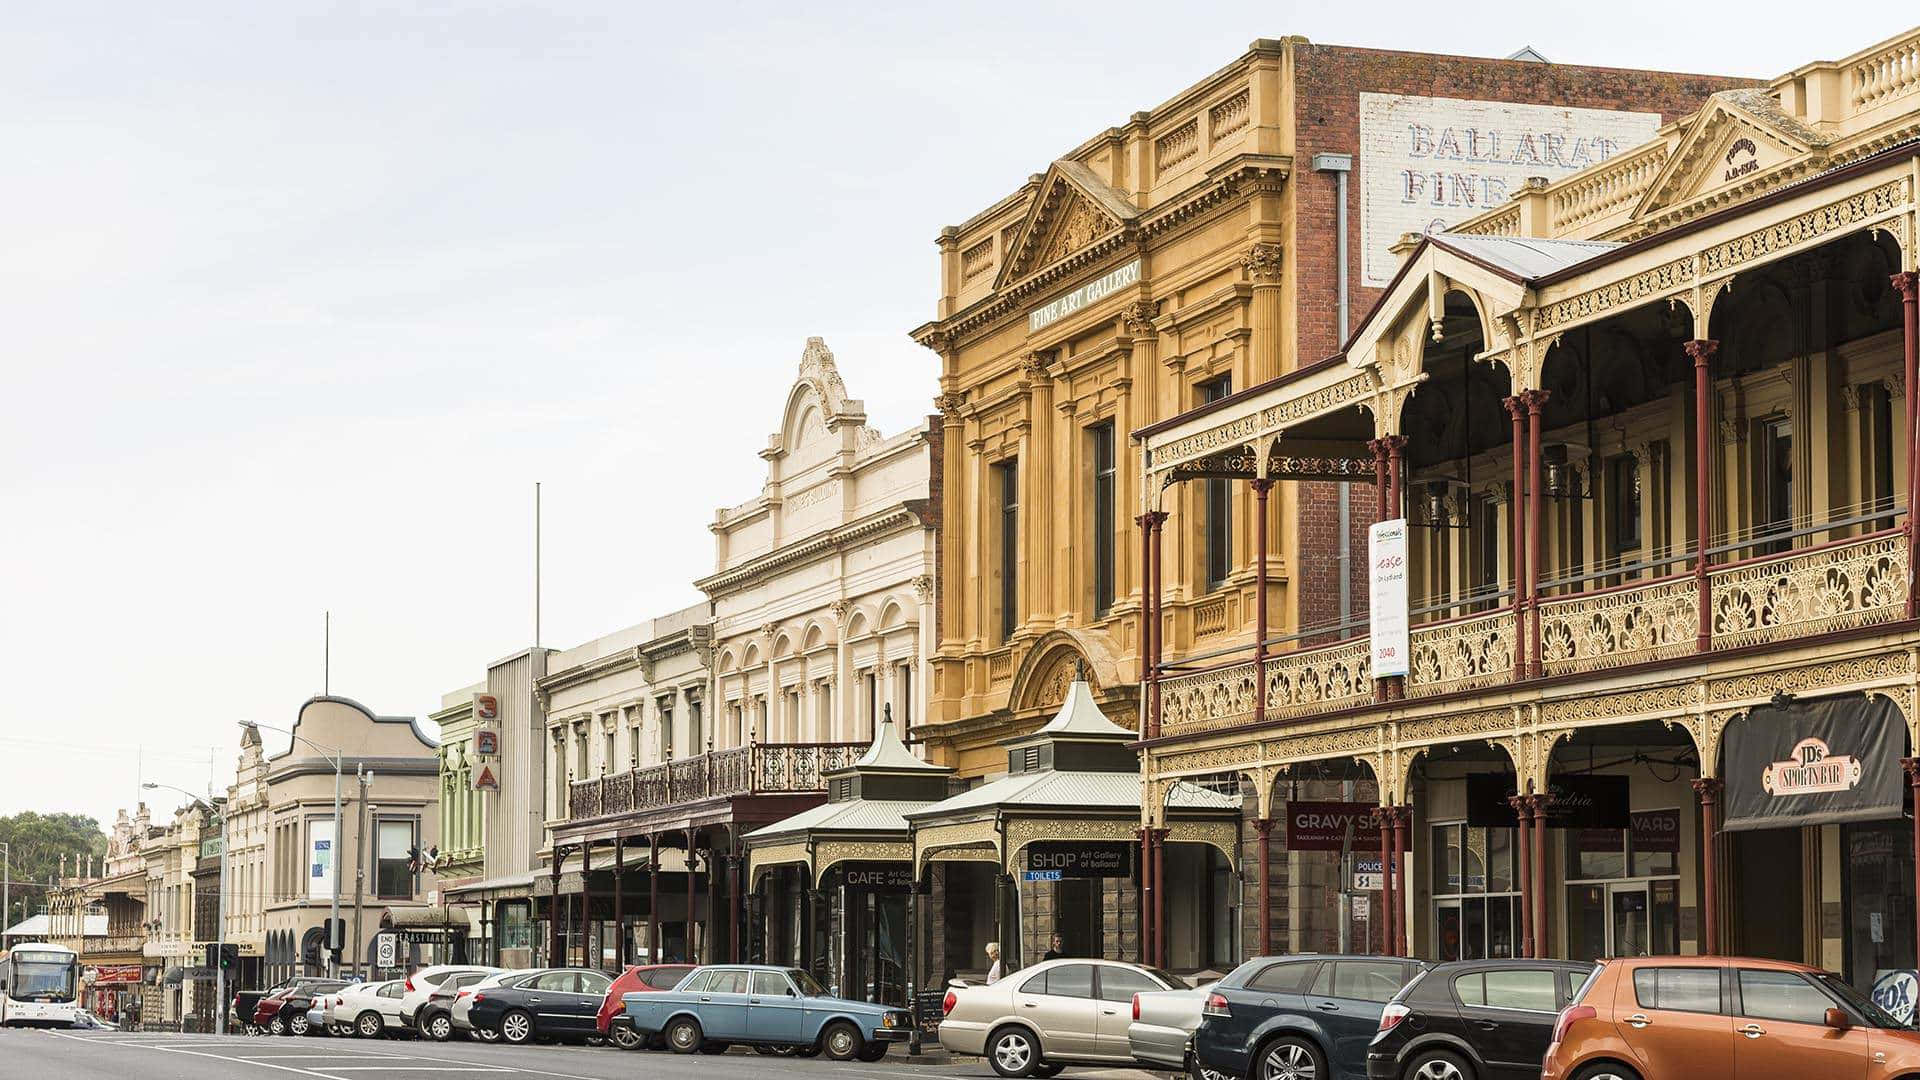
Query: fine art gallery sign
(1428, 163)
(1098, 289)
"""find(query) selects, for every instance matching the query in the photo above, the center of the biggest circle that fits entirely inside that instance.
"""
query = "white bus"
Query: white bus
(39, 985)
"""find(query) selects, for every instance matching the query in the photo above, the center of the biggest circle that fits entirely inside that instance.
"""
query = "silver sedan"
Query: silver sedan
(1041, 1019)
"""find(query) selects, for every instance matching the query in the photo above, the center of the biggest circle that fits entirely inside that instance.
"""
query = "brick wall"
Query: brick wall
(1329, 80)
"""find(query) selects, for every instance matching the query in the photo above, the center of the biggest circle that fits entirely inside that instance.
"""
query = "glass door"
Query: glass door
(1627, 927)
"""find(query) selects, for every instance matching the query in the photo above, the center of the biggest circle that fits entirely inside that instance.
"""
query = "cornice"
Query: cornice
(898, 516)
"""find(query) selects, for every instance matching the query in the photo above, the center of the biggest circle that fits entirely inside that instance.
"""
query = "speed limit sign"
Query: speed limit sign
(386, 950)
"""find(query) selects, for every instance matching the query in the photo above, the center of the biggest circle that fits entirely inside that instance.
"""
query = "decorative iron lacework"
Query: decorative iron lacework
(1243, 429)
(1627, 626)
(1460, 655)
(1662, 280)
(1833, 588)
(1308, 680)
(1811, 225)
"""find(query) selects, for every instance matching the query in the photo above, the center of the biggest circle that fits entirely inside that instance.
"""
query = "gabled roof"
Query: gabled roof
(1737, 134)
(1090, 791)
(1072, 208)
(41, 926)
(1520, 258)
(853, 815)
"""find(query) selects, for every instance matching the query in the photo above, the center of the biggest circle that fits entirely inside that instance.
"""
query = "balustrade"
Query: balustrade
(1612, 627)
(775, 768)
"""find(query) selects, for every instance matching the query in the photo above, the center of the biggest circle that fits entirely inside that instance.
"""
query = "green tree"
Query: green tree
(36, 843)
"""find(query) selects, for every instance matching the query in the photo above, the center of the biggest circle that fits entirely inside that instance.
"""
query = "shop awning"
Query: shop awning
(510, 887)
(438, 922)
(1814, 762)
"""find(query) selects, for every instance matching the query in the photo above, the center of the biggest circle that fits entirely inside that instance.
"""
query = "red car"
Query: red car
(637, 979)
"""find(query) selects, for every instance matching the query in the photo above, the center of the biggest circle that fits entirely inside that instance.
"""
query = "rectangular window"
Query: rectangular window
(1219, 502)
(663, 716)
(903, 679)
(580, 755)
(392, 879)
(870, 691)
(1007, 478)
(1486, 536)
(1623, 502)
(1880, 436)
(793, 715)
(1100, 436)
(1773, 458)
(606, 751)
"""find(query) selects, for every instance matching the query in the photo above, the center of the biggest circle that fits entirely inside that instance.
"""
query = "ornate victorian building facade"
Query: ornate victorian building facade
(1644, 433)
(1206, 246)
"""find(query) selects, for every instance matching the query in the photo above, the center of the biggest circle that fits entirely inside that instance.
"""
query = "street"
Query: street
(59, 1055)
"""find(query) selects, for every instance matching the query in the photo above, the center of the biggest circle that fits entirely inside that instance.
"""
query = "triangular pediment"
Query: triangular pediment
(1739, 139)
(1071, 211)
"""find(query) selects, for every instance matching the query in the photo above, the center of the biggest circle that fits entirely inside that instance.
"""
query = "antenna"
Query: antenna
(326, 658)
(536, 564)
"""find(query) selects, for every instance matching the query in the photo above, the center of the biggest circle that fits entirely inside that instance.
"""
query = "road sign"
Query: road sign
(387, 950)
(1042, 875)
(1366, 874)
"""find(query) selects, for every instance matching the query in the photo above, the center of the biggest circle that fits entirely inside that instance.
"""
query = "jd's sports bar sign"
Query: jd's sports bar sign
(1056, 859)
(1098, 289)
(1814, 763)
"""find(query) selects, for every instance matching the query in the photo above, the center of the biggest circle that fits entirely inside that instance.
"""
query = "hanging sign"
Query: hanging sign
(1059, 859)
(1322, 826)
(484, 778)
(1813, 763)
(1387, 596)
(877, 877)
(1577, 802)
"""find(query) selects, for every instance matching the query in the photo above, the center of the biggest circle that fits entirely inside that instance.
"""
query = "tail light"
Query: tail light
(1216, 1006)
(461, 994)
(1391, 1016)
(1136, 1006)
(478, 998)
(409, 984)
(1570, 1016)
(947, 1003)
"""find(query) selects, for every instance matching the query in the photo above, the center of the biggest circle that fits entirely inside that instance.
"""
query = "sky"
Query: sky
(301, 300)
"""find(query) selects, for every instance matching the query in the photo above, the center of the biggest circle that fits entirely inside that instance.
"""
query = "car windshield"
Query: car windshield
(808, 987)
(1845, 990)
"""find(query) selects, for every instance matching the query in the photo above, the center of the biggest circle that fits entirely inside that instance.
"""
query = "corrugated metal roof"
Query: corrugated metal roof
(854, 815)
(1524, 257)
(1079, 790)
(40, 926)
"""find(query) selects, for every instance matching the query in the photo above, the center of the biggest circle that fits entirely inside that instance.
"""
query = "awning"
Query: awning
(1815, 762)
(440, 922)
(510, 887)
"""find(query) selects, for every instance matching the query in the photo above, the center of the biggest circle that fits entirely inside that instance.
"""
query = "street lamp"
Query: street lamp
(339, 830)
(220, 917)
(6, 890)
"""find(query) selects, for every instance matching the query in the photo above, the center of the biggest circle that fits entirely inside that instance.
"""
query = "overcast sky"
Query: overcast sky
(301, 300)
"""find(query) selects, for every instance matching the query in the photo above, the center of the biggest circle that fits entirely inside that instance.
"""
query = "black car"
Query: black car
(557, 1003)
(293, 1008)
(1474, 1020)
(1297, 1016)
(434, 1020)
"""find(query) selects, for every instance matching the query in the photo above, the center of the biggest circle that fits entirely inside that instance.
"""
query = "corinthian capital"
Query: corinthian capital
(1262, 263)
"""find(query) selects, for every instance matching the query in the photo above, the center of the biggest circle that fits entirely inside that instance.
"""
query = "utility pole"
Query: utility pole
(6, 891)
(360, 875)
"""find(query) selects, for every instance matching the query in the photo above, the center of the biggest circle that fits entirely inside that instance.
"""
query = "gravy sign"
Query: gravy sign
(1322, 826)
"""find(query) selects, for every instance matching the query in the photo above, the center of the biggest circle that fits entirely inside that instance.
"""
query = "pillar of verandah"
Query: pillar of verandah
(1517, 413)
(1701, 351)
(1908, 284)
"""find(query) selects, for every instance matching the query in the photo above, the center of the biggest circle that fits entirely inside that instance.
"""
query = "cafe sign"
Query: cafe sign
(1093, 291)
(877, 877)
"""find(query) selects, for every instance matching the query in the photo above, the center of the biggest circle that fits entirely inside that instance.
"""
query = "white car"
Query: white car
(368, 1010)
(463, 1005)
(421, 984)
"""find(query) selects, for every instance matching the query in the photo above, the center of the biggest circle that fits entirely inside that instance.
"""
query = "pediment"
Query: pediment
(1734, 141)
(1073, 210)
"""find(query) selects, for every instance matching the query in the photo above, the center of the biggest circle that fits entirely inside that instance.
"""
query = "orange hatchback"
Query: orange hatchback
(1717, 1018)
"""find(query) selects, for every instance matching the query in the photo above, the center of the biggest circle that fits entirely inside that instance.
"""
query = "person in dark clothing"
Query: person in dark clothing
(1056, 948)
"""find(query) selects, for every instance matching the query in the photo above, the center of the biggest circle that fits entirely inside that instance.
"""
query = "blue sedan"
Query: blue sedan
(758, 1005)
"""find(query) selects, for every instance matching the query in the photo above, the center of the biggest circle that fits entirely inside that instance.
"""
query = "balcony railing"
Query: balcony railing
(1774, 599)
(761, 769)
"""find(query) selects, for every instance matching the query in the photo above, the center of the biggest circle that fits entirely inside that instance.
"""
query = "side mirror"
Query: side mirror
(1838, 1020)
(791, 992)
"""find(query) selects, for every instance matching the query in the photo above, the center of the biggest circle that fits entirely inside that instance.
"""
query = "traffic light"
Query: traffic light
(229, 956)
(213, 955)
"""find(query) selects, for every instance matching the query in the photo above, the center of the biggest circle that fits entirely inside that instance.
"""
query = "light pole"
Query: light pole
(220, 916)
(339, 831)
(6, 891)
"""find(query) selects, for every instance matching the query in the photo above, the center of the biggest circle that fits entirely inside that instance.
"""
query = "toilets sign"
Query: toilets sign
(1428, 163)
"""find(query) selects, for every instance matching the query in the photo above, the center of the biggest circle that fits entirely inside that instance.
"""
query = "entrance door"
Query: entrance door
(1627, 927)
(1775, 929)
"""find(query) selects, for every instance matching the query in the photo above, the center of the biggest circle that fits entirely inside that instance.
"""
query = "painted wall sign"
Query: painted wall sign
(1427, 163)
(1578, 801)
(1098, 289)
(1088, 859)
(1322, 826)
(1387, 596)
(486, 742)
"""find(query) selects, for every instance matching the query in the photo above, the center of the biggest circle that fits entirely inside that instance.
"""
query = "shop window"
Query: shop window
(1219, 502)
(1877, 894)
(1100, 438)
(1623, 893)
(394, 848)
(1476, 902)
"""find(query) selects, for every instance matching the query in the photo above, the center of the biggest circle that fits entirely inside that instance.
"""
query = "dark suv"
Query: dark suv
(1474, 1020)
(1290, 1016)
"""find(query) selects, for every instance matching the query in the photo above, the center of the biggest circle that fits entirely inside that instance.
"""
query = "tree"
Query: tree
(36, 843)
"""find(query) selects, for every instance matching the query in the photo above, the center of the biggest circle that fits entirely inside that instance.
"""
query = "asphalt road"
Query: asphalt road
(59, 1055)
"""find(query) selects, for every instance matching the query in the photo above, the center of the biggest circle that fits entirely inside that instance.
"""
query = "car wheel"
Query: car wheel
(627, 1038)
(1290, 1059)
(874, 1051)
(486, 1035)
(277, 1026)
(683, 1035)
(1607, 1070)
(516, 1028)
(368, 1025)
(299, 1025)
(1439, 1065)
(439, 1027)
(840, 1041)
(1012, 1051)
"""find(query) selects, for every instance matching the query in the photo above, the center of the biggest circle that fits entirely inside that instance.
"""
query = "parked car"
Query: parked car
(296, 1006)
(247, 1003)
(434, 1019)
(763, 1006)
(637, 979)
(462, 1013)
(1474, 1020)
(1041, 1019)
(1297, 1017)
(368, 1010)
(551, 1003)
(420, 985)
(1716, 1018)
(1161, 1034)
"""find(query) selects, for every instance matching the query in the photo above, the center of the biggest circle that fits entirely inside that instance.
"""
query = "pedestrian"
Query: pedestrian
(993, 954)
(1056, 947)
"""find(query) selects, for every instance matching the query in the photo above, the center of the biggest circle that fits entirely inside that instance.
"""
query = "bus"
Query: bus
(39, 985)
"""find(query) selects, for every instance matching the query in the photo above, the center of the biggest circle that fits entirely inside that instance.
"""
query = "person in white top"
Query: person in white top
(993, 954)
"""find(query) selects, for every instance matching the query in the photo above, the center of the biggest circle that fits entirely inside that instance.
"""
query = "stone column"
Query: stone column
(1263, 264)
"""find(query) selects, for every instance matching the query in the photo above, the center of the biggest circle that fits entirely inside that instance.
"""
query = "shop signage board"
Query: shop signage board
(1815, 762)
(1322, 826)
(1098, 289)
(1059, 860)
(877, 877)
(1578, 802)
(1387, 596)
(1896, 991)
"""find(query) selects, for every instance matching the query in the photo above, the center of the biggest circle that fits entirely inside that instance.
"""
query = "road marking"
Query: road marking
(215, 1057)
